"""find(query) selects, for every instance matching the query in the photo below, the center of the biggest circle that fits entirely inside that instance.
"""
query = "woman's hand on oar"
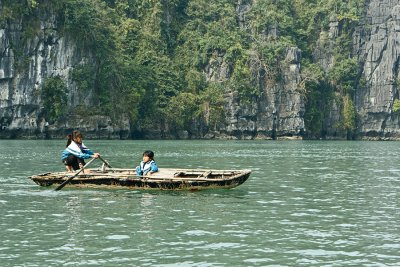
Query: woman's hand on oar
(72, 177)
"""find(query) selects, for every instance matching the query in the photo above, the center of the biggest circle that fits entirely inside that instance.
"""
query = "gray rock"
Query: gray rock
(46, 54)
(276, 113)
(381, 56)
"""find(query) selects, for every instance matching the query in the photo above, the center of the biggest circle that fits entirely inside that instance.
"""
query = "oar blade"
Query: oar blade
(72, 177)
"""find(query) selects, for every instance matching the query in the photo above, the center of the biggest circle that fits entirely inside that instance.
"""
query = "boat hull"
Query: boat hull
(165, 179)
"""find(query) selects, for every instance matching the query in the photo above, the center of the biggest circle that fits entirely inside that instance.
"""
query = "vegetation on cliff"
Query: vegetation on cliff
(150, 56)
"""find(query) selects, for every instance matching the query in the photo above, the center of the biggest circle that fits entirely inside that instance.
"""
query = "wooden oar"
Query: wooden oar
(72, 177)
(105, 162)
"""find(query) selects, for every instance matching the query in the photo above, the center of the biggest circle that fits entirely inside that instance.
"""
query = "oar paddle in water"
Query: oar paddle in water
(72, 177)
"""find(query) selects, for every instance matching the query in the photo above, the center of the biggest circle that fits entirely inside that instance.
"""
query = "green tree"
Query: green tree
(319, 97)
(396, 105)
(54, 98)
(212, 99)
(344, 75)
(242, 82)
(183, 110)
(143, 57)
(349, 115)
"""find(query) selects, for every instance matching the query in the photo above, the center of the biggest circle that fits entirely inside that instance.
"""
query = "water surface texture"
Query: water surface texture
(307, 203)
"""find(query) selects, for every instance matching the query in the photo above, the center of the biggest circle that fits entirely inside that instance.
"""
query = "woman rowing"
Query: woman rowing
(76, 152)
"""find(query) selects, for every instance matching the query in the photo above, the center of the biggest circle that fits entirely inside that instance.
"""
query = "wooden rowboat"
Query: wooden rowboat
(164, 179)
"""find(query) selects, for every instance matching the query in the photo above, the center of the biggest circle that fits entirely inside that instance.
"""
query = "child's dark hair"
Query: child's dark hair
(149, 153)
(73, 136)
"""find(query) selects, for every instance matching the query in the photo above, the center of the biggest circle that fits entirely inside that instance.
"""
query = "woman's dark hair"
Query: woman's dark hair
(69, 137)
(73, 136)
(149, 153)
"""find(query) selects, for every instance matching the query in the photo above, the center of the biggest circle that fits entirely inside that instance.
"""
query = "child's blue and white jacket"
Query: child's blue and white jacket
(145, 167)
(80, 151)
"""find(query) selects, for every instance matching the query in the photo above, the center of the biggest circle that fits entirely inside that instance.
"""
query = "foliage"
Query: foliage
(12, 10)
(311, 77)
(182, 110)
(129, 35)
(320, 96)
(83, 76)
(54, 98)
(195, 80)
(212, 100)
(150, 60)
(129, 90)
(92, 23)
(321, 91)
(343, 75)
(396, 105)
(349, 114)
(211, 29)
(243, 83)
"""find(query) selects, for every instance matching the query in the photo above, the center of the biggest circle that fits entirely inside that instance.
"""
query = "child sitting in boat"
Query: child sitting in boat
(75, 153)
(148, 165)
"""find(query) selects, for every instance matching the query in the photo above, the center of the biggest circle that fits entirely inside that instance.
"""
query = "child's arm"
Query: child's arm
(154, 167)
(139, 170)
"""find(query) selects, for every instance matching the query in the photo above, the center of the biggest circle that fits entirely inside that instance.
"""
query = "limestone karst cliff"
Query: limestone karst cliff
(280, 105)
(378, 48)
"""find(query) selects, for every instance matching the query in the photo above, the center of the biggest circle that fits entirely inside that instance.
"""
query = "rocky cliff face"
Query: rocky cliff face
(25, 63)
(378, 49)
(277, 112)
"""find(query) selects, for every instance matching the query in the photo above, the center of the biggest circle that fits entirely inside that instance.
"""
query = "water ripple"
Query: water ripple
(305, 204)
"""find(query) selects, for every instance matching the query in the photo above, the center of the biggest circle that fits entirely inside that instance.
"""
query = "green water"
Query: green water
(305, 204)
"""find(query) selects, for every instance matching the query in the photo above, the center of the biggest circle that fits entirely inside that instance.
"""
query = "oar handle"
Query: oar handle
(72, 177)
(105, 162)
